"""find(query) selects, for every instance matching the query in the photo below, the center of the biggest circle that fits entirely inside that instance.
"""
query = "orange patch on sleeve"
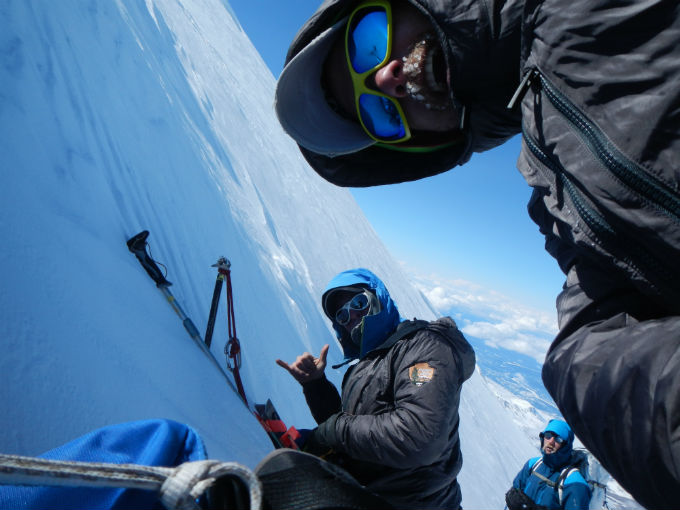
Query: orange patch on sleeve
(420, 373)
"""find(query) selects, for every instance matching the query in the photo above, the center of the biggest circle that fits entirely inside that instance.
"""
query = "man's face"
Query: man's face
(354, 316)
(421, 89)
(550, 444)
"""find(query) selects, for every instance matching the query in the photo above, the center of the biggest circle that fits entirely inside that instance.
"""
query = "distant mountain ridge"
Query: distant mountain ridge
(518, 373)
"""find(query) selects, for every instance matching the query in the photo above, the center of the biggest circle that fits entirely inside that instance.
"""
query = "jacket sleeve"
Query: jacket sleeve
(614, 377)
(322, 398)
(419, 427)
(520, 480)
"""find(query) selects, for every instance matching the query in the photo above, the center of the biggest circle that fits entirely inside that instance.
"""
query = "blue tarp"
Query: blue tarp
(149, 442)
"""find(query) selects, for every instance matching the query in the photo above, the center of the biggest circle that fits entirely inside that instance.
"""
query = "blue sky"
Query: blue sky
(466, 224)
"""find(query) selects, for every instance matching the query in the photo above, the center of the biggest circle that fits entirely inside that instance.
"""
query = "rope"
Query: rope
(233, 348)
(178, 487)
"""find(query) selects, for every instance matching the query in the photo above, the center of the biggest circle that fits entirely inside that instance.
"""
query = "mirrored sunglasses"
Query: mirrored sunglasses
(551, 435)
(368, 43)
(359, 302)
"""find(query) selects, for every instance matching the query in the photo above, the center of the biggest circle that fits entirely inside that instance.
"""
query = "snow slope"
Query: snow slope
(121, 116)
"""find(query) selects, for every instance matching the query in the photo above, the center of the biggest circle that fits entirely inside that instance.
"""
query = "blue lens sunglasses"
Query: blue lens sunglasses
(368, 43)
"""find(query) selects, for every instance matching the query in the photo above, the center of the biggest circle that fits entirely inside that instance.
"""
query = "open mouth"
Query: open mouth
(425, 70)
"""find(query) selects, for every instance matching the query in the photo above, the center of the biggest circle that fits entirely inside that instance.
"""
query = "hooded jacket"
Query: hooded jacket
(594, 87)
(397, 429)
(600, 193)
(483, 77)
(576, 493)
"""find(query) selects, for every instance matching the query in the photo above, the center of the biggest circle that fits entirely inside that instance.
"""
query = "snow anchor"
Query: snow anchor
(232, 349)
(266, 414)
(137, 244)
(222, 266)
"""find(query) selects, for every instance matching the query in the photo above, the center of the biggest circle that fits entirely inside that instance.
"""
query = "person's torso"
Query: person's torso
(369, 389)
(601, 136)
(539, 490)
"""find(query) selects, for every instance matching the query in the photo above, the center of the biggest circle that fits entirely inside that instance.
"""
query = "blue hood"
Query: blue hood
(562, 456)
(376, 328)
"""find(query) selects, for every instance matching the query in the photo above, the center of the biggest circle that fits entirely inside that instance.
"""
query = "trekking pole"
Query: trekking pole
(186, 321)
(137, 244)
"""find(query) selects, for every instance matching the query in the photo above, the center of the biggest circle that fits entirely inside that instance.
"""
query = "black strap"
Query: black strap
(137, 245)
(547, 480)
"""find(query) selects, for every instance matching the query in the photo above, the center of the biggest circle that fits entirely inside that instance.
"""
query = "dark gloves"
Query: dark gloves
(321, 440)
(517, 500)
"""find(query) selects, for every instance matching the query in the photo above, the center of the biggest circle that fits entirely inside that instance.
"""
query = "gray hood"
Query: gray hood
(481, 40)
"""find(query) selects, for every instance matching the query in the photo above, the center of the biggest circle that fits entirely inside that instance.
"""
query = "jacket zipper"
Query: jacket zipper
(522, 88)
(595, 222)
(653, 190)
(617, 243)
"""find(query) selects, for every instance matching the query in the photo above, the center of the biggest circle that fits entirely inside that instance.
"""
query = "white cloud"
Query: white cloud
(490, 316)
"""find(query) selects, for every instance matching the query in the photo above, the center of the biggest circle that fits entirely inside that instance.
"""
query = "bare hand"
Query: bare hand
(306, 367)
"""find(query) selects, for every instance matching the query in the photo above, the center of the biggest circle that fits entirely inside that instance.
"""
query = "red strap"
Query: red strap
(277, 426)
(289, 438)
(265, 425)
(231, 318)
(233, 348)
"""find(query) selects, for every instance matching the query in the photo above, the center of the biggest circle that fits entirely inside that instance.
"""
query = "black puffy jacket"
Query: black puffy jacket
(599, 110)
(397, 433)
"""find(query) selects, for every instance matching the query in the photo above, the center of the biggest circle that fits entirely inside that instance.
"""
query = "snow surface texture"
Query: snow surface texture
(117, 117)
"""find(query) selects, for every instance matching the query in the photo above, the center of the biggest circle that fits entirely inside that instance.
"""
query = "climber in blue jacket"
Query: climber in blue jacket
(554, 479)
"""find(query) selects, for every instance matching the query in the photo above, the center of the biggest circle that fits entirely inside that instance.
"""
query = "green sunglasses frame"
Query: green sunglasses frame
(359, 79)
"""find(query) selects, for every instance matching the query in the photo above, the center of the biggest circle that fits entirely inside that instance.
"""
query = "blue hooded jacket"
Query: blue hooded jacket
(576, 493)
(376, 327)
